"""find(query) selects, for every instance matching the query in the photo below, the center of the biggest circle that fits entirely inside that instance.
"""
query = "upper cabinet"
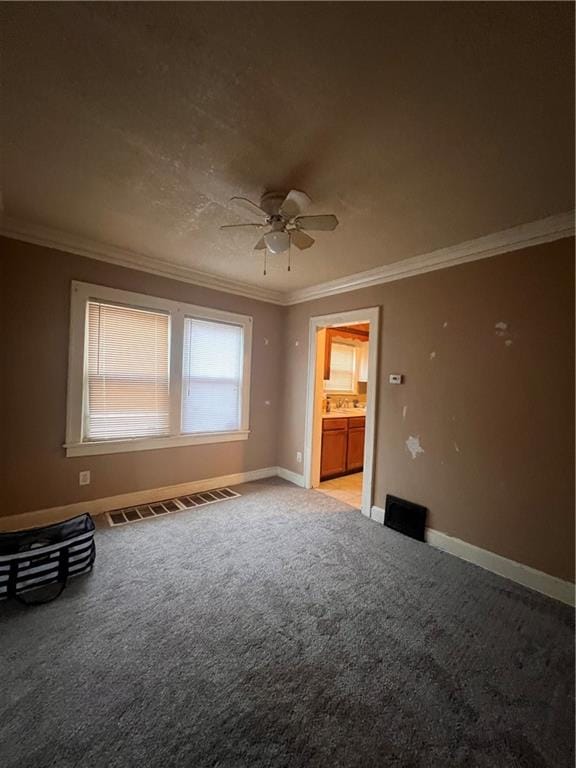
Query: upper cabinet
(363, 362)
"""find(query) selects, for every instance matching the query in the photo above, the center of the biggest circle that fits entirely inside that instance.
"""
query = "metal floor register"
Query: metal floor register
(159, 508)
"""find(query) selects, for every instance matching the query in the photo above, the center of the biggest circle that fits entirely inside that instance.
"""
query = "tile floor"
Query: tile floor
(347, 488)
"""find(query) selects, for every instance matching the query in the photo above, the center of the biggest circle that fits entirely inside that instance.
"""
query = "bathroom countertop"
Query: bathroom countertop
(344, 413)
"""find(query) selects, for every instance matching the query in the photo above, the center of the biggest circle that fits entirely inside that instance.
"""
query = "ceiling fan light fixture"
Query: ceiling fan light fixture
(277, 241)
(283, 214)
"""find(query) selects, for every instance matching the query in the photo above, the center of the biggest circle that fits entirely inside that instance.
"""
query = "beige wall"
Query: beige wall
(34, 321)
(508, 487)
(495, 420)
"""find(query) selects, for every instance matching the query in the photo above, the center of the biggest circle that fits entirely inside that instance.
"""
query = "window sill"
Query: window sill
(152, 443)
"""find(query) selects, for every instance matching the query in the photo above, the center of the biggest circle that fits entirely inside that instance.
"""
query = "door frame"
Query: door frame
(353, 317)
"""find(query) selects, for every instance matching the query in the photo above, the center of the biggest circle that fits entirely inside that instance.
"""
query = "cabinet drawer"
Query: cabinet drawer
(330, 424)
(357, 421)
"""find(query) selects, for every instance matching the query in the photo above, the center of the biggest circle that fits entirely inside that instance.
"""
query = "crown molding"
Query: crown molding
(522, 236)
(62, 241)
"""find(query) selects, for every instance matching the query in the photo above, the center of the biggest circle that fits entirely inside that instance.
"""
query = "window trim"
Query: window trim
(80, 294)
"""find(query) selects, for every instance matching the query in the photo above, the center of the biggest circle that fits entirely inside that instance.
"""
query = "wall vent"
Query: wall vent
(405, 517)
(159, 508)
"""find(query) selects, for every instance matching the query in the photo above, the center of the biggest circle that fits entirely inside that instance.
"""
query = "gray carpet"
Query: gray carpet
(284, 629)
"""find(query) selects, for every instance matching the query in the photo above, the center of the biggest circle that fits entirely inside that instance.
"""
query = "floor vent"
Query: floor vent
(159, 508)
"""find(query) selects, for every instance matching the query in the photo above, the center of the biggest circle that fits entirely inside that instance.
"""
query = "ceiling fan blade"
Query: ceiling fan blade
(248, 204)
(260, 245)
(326, 222)
(294, 203)
(233, 226)
(301, 239)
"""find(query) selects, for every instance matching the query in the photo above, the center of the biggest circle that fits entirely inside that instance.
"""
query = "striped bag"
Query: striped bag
(31, 560)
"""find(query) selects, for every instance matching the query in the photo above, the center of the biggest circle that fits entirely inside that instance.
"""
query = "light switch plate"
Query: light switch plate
(84, 477)
(395, 378)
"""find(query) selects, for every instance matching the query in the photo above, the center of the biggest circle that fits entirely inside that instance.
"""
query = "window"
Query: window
(212, 376)
(127, 373)
(149, 373)
(342, 369)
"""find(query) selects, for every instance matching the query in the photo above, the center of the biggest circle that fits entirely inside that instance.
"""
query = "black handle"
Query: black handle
(62, 580)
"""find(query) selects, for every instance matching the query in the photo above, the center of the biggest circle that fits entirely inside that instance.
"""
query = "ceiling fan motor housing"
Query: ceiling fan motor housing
(271, 202)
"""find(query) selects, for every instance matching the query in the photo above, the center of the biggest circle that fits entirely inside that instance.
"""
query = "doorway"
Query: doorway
(341, 406)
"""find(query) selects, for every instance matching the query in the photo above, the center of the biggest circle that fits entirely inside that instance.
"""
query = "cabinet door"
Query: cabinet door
(355, 458)
(327, 353)
(334, 445)
(363, 364)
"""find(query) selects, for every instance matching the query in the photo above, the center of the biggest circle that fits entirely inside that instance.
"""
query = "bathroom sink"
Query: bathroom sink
(347, 412)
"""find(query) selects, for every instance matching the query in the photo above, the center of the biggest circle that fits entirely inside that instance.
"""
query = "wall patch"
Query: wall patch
(413, 445)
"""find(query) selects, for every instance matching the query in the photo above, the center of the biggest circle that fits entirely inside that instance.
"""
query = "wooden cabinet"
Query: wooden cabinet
(334, 452)
(363, 362)
(355, 452)
(333, 424)
(342, 446)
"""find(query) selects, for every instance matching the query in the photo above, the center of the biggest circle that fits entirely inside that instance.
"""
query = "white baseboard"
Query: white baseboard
(292, 477)
(564, 591)
(510, 569)
(109, 503)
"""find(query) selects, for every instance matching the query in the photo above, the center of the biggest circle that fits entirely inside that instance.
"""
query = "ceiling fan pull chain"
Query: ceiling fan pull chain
(265, 257)
(289, 255)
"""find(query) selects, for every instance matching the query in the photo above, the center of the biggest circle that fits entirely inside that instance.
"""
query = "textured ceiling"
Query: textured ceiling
(419, 125)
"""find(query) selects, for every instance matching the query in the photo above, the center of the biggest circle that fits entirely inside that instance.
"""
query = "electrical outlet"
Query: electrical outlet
(299, 457)
(84, 477)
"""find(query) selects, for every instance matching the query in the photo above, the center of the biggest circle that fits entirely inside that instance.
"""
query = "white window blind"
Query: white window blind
(342, 367)
(211, 376)
(127, 373)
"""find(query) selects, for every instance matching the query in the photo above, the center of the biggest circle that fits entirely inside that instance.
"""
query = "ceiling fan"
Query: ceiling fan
(282, 215)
